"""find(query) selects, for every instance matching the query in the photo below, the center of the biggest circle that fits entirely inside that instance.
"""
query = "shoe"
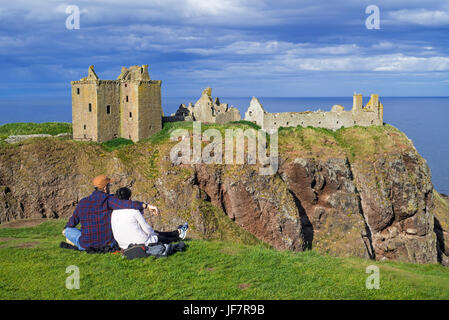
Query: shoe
(185, 226)
(183, 230)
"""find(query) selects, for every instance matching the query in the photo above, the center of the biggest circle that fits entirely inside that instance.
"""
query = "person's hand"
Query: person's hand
(154, 210)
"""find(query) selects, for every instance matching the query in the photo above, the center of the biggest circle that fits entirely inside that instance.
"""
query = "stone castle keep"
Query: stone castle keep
(130, 107)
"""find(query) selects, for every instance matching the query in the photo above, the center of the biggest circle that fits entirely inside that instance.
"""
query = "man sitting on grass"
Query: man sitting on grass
(94, 215)
(129, 226)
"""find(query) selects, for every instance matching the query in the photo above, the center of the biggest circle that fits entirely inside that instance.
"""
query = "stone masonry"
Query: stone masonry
(129, 107)
(205, 110)
(371, 114)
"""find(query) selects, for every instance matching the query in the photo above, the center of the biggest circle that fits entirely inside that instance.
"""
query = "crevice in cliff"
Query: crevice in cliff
(307, 230)
(440, 240)
(216, 200)
(367, 236)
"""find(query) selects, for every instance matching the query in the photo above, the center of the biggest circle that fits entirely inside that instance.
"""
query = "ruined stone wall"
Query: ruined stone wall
(85, 122)
(371, 114)
(232, 114)
(320, 119)
(108, 93)
(176, 118)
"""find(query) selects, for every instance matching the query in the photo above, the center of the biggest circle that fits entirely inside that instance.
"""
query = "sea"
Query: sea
(425, 120)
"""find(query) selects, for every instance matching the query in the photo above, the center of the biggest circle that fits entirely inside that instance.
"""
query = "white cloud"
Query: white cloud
(274, 47)
(421, 17)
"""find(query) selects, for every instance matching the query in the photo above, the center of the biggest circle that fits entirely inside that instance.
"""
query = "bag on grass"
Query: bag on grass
(157, 250)
(160, 250)
(135, 251)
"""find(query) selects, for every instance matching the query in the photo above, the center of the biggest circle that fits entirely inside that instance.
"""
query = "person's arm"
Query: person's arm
(74, 219)
(143, 224)
(115, 204)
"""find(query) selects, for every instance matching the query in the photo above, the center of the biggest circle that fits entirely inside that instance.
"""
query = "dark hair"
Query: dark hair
(123, 193)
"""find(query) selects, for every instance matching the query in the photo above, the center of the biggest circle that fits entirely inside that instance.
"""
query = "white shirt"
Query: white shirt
(129, 226)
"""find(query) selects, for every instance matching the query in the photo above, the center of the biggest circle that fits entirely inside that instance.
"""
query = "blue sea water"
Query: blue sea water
(424, 119)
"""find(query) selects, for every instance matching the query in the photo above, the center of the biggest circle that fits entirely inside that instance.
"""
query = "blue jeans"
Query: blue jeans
(74, 235)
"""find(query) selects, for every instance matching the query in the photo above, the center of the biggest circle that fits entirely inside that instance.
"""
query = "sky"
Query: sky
(240, 48)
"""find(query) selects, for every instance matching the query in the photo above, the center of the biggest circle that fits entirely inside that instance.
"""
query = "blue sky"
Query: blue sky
(239, 48)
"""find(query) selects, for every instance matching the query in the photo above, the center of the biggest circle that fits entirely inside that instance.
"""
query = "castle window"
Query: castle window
(127, 99)
(126, 85)
(319, 122)
(84, 127)
(130, 114)
(141, 70)
(250, 113)
(287, 123)
(77, 90)
(90, 107)
(108, 109)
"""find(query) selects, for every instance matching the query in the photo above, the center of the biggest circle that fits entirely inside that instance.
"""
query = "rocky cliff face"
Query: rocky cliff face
(360, 192)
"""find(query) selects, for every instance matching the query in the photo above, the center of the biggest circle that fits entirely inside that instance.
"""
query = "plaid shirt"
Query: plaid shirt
(94, 214)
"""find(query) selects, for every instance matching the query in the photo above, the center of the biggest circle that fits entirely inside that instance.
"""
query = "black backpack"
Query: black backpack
(157, 250)
(135, 251)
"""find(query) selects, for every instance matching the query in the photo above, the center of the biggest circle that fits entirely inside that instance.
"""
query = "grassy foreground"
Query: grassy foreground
(34, 267)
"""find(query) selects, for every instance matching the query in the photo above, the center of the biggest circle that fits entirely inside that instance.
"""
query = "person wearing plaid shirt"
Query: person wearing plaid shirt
(94, 215)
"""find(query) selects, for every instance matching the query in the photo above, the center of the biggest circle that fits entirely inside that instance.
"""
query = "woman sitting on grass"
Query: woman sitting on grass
(129, 226)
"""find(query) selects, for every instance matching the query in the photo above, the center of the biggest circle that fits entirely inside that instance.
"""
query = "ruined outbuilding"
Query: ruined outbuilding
(368, 115)
(205, 110)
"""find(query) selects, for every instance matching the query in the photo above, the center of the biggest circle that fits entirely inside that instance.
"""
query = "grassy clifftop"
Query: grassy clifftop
(33, 267)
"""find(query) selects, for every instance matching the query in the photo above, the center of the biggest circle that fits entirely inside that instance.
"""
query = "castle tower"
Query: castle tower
(95, 108)
(140, 103)
(357, 102)
(129, 107)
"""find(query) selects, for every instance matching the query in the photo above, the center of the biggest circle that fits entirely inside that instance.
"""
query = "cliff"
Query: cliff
(360, 191)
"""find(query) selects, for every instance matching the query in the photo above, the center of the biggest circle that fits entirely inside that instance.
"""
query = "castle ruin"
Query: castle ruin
(129, 107)
(371, 114)
(205, 110)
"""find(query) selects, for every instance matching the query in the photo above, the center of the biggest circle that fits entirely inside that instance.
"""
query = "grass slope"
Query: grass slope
(23, 128)
(34, 267)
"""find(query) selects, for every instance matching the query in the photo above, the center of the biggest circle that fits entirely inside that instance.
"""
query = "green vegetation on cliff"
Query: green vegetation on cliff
(25, 128)
(34, 267)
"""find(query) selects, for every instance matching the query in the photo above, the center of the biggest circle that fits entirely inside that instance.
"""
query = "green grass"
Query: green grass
(207, 270)
(23, 128)
(116, 144)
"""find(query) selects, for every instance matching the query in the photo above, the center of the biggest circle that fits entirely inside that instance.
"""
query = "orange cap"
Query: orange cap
(101, 181)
